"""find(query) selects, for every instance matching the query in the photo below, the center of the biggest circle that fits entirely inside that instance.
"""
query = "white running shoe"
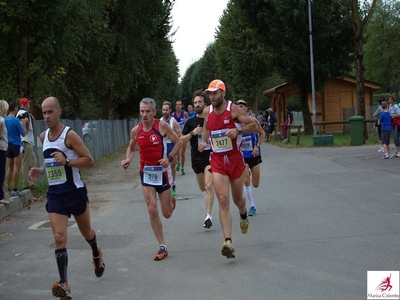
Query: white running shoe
(381, 150)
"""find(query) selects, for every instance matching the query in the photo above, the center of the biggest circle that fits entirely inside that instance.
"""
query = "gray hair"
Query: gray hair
(3, 108)
(270, 109)
(149, 101)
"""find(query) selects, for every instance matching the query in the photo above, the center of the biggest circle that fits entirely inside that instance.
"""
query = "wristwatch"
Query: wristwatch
(66, 161)
(170, 158)
(191, 133)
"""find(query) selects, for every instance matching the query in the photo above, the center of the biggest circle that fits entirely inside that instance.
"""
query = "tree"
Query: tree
(359, 14)
(241, 58)
(282, 26)
(381, 47)
(99, 57)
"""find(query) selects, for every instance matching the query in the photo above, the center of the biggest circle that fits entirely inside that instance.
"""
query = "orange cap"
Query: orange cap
(215, 85)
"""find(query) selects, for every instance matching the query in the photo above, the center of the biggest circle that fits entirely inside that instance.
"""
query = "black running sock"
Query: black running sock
(62, 263)
(93, 245)
(244, 217)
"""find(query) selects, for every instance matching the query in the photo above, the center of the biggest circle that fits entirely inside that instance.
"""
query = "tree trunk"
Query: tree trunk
(359, 55)
(22, 68)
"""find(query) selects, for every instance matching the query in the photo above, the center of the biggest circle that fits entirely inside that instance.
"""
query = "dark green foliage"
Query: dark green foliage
(282, 26)
(99, 57)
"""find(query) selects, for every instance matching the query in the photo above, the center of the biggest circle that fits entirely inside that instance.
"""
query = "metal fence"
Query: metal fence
(101, 137)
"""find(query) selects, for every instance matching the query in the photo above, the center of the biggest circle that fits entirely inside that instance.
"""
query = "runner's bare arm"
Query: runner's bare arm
(187, 137)
(248, 124)
(261, 132)
(261, 138)
(176, 127)
(165, 129)
(131, 149)
(74, 142)
(35, 172)
(205, 134)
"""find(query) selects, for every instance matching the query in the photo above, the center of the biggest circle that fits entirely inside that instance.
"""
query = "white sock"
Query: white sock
(249, 195)
(208, 216)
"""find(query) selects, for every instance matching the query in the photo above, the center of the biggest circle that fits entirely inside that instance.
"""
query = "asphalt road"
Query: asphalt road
(324, 218)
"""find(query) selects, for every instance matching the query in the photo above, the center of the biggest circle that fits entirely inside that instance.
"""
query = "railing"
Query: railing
(289, 133)
(321, 123)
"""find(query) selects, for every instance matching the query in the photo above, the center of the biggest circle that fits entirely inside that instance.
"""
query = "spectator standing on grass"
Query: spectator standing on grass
(289, 120)
(394, 111)
(260, 119)
(15, 129)
(3, 150)
(376, 115)
(385, 123)
(28, 141)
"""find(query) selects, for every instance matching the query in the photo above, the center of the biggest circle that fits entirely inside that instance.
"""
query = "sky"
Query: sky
(195, 22)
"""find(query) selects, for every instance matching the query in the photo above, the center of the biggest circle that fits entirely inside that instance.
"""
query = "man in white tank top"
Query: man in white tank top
(64, 154)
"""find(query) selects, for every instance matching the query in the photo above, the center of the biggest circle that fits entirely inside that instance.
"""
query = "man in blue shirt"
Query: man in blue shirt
(15, 129)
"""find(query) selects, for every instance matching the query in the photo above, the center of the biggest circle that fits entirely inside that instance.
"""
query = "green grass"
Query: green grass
(339, 140)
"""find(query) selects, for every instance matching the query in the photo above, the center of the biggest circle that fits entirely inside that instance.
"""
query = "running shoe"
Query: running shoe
(227, 249)
(183, 171)
(178, 166)
(244, 225)
(207, 223)
(161, 254)
(393, 154)
(252, 211)
(386, 156)
(17, 193)
(61, 290)
(173, 190)
(381, 150)
(99, 265)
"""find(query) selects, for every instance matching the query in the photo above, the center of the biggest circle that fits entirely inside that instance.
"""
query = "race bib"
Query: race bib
(208, 147)
(221, 142)
(55, 172)
(152, 175)
(247, 143)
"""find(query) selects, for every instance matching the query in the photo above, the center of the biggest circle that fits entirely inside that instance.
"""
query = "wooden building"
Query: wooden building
(338, 93)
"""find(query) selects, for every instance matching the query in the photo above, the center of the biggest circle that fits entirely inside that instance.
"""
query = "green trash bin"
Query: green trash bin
(357, 130)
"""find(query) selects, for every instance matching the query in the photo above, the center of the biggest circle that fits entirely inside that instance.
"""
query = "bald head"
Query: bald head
(51, 101)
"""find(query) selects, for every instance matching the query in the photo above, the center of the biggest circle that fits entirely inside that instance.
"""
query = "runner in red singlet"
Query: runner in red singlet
(223, 124)
(155, 171)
